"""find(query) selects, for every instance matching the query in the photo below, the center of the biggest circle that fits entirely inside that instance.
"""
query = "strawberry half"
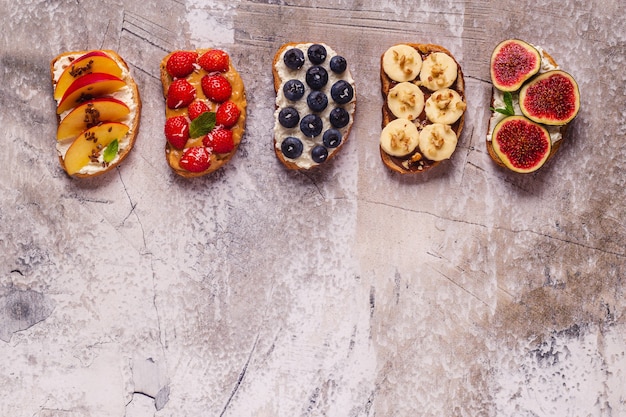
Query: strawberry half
(214, 60)
(216, 87)
(219, 140)
(180, 63)
(177, 131)
(227, 114)
(180, 94)
(196, 108)
(196, 159)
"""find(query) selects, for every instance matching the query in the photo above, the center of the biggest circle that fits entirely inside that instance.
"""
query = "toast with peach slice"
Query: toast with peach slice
(98, 111)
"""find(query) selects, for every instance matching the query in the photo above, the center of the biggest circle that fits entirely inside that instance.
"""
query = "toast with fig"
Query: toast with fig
(424, 105)
(205, 110)
(533, 101)
(98, 110)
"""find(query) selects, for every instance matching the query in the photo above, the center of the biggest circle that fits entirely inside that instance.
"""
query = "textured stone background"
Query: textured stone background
(468, 291)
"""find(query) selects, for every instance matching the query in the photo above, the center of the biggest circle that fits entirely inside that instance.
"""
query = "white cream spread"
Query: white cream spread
(498, 102)
(285, 74)
(126, 95)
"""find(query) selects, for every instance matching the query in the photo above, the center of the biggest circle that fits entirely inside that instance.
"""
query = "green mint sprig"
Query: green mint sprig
(202, 125)
(110, 151)
(508, 110)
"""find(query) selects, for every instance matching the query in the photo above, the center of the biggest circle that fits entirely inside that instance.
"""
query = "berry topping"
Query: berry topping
(180, 94)
(177, 131)
(338, 64)
(195, 159)
(196, 108)
(292, 147)
(293, 90)
(319, 154)
(317, 101)
(316, 53)
(227, 114)
(216, 87)
(342, 92)
(339, 117)
(288, 117)
(219, 140)
(214, 60)
(181, 63)
(294, 58)
(311, 125)
(331, 138)
(316, 77)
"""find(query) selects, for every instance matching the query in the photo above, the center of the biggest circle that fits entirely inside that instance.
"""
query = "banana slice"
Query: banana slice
(444, 106)
(437, 141)
(402, 63)
(399, 138)
(406, 101)
(439, 70)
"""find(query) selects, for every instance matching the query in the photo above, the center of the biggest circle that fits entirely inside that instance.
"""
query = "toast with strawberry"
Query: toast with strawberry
(205, 110)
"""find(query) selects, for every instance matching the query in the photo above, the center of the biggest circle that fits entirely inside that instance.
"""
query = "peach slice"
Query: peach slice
(94, 61)
(88, 87)
(90, 114)
(90, 144)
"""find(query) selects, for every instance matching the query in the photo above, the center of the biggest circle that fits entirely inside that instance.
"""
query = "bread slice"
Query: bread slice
(415, 162)
(495, 117)
(282, 74)
(238, 97)
(129, 95)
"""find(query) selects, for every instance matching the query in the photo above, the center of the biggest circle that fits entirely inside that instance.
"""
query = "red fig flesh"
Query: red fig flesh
(551, 98)
(522, 145)
(512, 63)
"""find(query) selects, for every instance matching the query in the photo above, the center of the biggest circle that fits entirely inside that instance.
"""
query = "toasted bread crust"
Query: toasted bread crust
(277, 82)
(555, 146)
(134, 126)
(386, 83)
(172, 155)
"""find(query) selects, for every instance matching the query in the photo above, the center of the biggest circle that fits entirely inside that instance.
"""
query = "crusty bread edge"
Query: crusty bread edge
(134, 128)
(216, 164)
(277, 82)
(385, 81)
(555, 146)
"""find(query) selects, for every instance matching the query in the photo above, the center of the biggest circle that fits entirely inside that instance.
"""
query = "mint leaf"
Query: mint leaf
(202, 125)
(110, 151)
(508, 110)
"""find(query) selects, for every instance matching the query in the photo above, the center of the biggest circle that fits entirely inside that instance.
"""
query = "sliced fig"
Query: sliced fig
(551, 98)
(513, 62)
(522, 145)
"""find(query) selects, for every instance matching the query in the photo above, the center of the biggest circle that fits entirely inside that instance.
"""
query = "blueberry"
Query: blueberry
(291, 147)
(338, 64)
(288, 117)
(339, 117)
(342, 92)
(293, 90)
(294, 58)
(316, 77)
(319, 154)
(311, 125)
(316, 53)
(331, 138)
(317, 101)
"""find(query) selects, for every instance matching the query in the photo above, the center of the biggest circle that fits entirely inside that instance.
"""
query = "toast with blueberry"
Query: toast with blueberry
(315, 104)
(205, 111)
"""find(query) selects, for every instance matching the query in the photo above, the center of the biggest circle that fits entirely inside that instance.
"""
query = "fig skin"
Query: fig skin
(551, 98)
(516, 56)
(526, 149)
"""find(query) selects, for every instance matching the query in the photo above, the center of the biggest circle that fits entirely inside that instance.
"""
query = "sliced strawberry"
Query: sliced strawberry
(214, 60)
(195, 159)
(177, 131)
(216, 87)
(180, 94)
(180, 63)
(196, 108)
(219, 140)
(227, 114)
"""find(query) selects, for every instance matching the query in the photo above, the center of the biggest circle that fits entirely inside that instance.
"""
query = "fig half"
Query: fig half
(513, 61)
(551, 98)
(521, 144)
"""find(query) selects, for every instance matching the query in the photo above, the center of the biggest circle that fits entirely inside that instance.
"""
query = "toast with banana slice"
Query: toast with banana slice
(424, 106)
